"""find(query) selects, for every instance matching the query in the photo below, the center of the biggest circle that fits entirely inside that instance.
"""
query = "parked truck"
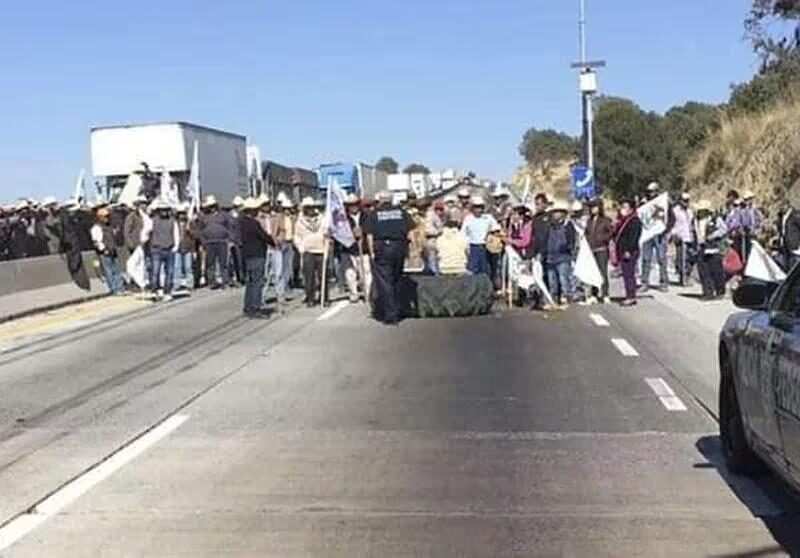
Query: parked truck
(119, 151)
(362, 179)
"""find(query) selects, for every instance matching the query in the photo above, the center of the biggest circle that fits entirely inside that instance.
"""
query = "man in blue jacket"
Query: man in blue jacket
(558, 253)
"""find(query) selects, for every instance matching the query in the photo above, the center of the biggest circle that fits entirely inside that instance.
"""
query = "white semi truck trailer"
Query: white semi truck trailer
(118, 151)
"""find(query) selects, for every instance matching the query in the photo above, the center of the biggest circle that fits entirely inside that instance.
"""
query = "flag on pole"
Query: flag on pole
(80, 188)
(168, 189)
(135, 266)
(527, 193)
(586, 269)
(653, 216)
(193, 186)
(131, 191)
(760, 265)
(335, 221)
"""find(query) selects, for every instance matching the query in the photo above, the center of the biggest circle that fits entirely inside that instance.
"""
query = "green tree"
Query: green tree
(387, 165)
(771, 46)
(685, 130)
(542, 149)
(630, 147)
(416, 168)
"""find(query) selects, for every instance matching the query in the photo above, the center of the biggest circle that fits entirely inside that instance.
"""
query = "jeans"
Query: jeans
(312, 275)
(111, 273)
(494, 268)
(431, 255)
(655, 248)
(274, 268)
(601, 257)
(683, 260)
(183, 273)
(287, 261)
(477, 261)
(237, 264)
(162, 259)
(254, 284)
(559, 279)
(216, 255)
(629, 275)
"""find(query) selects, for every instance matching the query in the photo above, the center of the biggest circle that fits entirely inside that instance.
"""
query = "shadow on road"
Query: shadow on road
(768, 498)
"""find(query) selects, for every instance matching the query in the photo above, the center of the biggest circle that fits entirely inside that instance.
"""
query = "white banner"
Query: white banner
(335, 221)
(193, 186)
(526, 275)
(586, 268)
(760, 265)
(136, 268)
(131, 190)
(653, 216)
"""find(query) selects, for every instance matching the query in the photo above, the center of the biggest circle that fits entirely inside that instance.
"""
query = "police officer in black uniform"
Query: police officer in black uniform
(387, 231)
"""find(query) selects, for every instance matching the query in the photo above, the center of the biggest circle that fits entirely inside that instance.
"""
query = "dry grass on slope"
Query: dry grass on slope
(757, 152)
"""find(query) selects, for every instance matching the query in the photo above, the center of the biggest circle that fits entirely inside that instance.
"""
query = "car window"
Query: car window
(789, 297)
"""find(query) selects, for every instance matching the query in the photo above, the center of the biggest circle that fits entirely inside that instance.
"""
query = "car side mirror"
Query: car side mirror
(753, 296)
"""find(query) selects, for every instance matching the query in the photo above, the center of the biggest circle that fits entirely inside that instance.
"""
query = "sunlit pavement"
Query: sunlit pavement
(186, 430)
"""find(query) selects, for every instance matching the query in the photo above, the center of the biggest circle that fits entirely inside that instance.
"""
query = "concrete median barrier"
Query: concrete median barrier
(37, 284)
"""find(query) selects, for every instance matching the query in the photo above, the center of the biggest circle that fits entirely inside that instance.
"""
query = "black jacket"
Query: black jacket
(627, 236)
(254, 239)
(541, 224)
(598, 232)
(790, 232)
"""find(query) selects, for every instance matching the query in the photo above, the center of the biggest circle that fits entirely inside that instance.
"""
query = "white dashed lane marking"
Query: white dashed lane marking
(333, 310)
(23, 524)
(599, 320)
(625, 348)
(665, 394)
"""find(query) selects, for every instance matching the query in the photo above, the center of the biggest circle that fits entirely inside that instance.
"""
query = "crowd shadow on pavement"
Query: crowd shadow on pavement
(768, 498)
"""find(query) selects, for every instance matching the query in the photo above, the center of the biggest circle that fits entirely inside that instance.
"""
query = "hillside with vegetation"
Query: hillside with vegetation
(751, 142)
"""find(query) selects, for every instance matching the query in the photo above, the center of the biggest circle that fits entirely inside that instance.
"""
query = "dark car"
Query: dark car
(759, 395)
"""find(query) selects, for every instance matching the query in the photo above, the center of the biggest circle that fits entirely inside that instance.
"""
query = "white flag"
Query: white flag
(653, 216)
(336, 223)
(760, 265)
(80, 188)
(135, 267)
(169, 189)
(131, 191)
(586, 268)
(193, 186)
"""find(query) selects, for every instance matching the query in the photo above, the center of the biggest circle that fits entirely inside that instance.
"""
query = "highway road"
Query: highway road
(186, 430)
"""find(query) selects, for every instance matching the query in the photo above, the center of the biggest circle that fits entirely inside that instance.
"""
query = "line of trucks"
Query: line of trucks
(224, 171)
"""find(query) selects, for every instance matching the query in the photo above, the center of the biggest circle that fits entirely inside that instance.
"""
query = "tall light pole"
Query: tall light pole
(588, 88)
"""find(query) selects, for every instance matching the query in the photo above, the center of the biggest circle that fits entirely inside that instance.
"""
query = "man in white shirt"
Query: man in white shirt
(475, 228)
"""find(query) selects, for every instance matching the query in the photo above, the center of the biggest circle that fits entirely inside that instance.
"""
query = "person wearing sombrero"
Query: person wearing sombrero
(214, 227)
(710, 232)
(559, 252)
(310, 239)
(476, 227)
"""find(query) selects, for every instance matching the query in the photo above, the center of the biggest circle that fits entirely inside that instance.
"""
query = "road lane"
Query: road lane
(510, 435)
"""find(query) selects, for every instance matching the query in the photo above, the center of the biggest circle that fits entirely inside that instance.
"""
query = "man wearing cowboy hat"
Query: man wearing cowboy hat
(183, 273)
(310, 239)
(710, 232)
(51, 222)
(346, 257)
(751, 219)
(682, 236)
(255, 243)
(501, 206)
(165, 238)
(272, 220)
(559, 252)
(214, 227)
(476, 227)
(102, 235)
(289, 215)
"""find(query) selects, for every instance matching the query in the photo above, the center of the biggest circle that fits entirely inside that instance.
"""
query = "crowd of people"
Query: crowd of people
(260, 242)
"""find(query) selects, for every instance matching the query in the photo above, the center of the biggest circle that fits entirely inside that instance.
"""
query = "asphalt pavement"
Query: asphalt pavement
(186, 430)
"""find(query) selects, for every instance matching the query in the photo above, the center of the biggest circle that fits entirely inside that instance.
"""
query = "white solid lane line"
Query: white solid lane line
(24, 524)
(625, 348)
(599, 320)
(665, 394)
(333, 310)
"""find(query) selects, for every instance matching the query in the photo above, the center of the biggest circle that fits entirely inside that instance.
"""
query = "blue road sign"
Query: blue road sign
(583, 183)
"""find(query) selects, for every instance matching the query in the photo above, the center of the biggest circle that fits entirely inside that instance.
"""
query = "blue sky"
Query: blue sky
(449, 83)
